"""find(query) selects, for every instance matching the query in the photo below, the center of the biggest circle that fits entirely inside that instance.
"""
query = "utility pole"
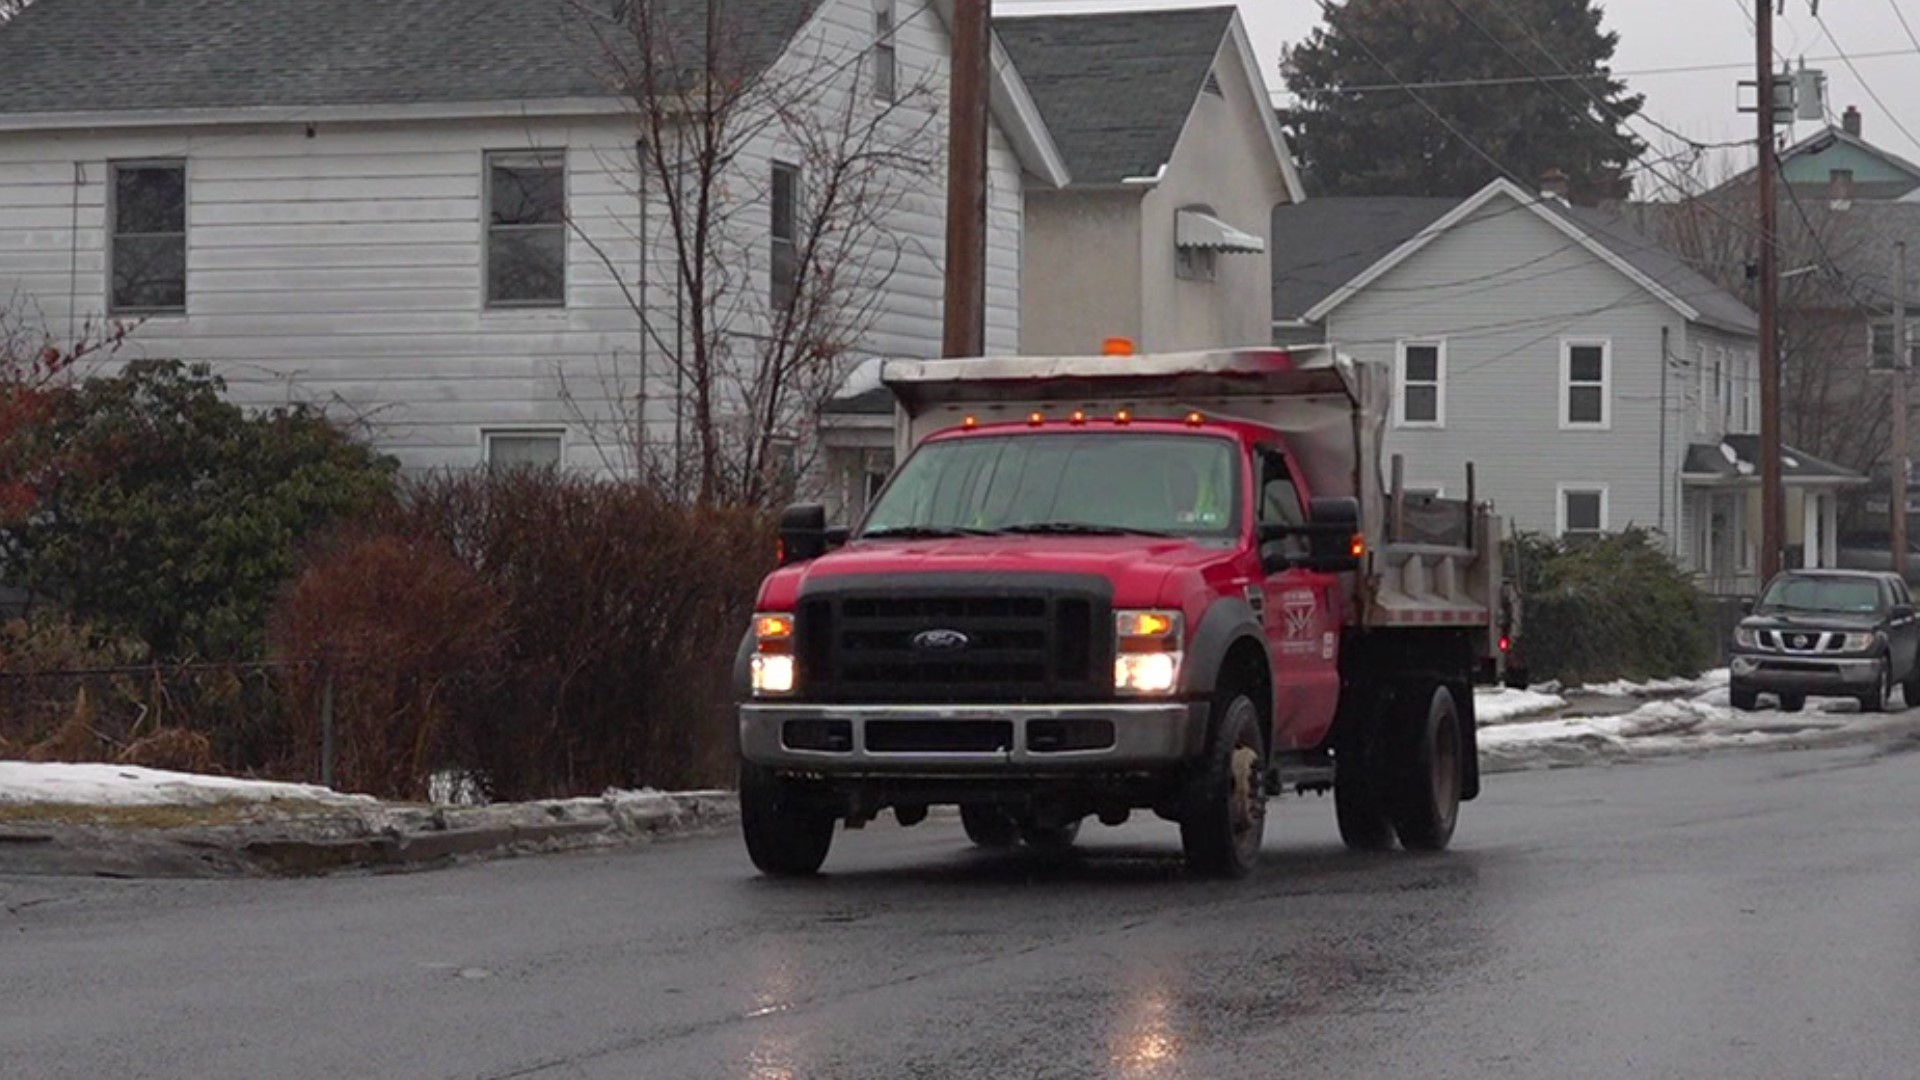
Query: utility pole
(1773, 510)
(1899, 470)
(965, 331)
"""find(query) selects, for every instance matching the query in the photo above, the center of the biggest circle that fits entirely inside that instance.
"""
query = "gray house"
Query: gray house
(1595, 380)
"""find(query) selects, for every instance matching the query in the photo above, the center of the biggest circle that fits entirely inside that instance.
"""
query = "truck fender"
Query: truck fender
(1229, 620)
(743, 667)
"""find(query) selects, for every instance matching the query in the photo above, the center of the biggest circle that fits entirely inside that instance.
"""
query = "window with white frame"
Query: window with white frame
(527, 229)
(784, 226)
(886, 63)
(1586, 376)
(523, 448)
(149, 251)
(1420, 374)
(1583, 510)
(1880, 344)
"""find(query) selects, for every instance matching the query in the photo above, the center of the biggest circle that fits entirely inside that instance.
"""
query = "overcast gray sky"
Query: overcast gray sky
(1666, 34)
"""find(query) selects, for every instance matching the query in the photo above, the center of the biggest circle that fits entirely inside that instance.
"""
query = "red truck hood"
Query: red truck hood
(1136, 566)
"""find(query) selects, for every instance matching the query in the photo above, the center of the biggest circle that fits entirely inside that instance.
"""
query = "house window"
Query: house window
(1585, 375)
(1722, 403)
(149, 218)
(1701, 392)
(1195, 263)
(1583, 510)
(886, 63)
(784, 270)
(1420, 392)
(1748, 382)
(1880, 344)
(527, 229)
(523, 449)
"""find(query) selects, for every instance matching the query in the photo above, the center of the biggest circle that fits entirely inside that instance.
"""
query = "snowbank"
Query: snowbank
(1712, 680)
(1502, 705)
(125, 785)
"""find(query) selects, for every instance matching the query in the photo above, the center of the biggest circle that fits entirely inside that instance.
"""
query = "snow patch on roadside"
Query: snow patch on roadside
(125, 785)
(1712, 680)
(1501, 705)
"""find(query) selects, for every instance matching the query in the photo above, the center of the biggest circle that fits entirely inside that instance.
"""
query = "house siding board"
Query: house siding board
(1504, 289)
(346, 266)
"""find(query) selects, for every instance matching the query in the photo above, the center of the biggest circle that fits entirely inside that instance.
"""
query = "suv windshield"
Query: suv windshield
(1838, 595)
(1183, 485)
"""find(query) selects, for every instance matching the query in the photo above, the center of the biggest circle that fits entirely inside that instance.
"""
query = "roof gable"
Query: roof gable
(1116, 89)
(1607, 238)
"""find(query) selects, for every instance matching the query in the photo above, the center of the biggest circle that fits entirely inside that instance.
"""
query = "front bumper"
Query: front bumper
(971, 740)
(1775, 672)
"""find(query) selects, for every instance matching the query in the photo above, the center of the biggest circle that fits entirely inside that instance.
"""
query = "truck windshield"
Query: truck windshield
(1179, 485)
(1838, 595)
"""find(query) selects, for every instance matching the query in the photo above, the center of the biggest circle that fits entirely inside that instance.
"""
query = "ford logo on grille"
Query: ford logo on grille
(941, 641)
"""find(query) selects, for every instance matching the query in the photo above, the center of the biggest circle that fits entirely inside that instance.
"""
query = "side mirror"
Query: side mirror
(803, 533)
(1334, 545)
(1902, 611)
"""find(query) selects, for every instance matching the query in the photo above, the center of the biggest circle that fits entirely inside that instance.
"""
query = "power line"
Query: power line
(1868, 87)
(1904, 24)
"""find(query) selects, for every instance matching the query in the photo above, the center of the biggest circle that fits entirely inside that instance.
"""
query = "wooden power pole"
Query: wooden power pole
(1773, 510)
(1898, 507)
(965, 330)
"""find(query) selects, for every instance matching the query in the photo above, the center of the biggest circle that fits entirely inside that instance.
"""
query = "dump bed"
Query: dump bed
(1430, 562)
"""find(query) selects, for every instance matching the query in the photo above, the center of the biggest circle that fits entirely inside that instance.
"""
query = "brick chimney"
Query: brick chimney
(1850, 121)
(1554, 184)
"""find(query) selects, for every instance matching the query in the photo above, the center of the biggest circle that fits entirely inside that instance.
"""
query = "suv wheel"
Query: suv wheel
(1743, 698)
(1882, 690)
(1792, 702)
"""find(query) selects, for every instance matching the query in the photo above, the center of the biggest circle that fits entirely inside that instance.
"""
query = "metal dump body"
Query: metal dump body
(1432, 563)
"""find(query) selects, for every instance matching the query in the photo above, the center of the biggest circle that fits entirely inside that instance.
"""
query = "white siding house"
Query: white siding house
(326, 217)
(1594, 381)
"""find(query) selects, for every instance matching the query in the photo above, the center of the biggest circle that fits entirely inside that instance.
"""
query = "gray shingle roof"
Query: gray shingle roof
(1321, 244)
(125, 55)
(1717, 307)
(1116, 89)
(1711, 460)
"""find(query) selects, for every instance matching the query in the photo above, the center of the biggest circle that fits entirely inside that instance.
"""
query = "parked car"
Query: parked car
(1828, 633)
(1874, 551)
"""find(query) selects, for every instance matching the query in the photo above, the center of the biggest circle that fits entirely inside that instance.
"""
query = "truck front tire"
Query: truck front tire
(1223, 817)
(1427, 796)
(787, 835)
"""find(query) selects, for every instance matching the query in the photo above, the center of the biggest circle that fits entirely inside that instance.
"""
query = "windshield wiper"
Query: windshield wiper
(1079, 528)
(923, 532)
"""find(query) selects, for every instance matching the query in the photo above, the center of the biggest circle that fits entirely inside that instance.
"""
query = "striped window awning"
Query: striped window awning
(1196, 229)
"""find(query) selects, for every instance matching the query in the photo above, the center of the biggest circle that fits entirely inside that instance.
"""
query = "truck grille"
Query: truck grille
(904, 645)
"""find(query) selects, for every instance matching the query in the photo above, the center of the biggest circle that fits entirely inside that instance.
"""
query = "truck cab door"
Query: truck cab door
(1301, 617)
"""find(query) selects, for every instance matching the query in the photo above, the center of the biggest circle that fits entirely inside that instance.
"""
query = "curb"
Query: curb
(377, 839)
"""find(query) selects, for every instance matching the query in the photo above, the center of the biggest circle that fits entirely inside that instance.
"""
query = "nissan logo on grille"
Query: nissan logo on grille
(1802, 641)
(941, 641)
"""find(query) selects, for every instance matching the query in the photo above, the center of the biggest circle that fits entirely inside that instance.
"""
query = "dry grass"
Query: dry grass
(231, 812)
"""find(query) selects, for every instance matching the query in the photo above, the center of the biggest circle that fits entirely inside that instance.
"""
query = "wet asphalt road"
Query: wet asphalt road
(1747, 915)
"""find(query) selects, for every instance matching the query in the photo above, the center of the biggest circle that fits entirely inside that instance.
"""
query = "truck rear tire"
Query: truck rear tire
(988, 826)
(1427, 795)
(1362, 814)
(787, 835)
(1224, 814)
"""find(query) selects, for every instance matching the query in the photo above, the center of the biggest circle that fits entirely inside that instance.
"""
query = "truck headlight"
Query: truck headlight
(1146, 654)
(1746, 637)
(774, 670)
(1860, 642)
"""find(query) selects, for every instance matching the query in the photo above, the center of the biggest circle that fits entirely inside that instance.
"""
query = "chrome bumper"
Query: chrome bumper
(1797, 674)
(1144, 736)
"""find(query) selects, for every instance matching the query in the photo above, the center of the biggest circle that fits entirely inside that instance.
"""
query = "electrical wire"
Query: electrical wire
(1892, 117)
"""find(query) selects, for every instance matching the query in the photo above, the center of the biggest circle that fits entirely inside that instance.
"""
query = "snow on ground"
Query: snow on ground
(1500, 705)
(1712, 680)
(125, 785)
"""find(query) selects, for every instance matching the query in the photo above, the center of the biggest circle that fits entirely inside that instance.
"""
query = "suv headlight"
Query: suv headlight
(1860, 642)
(774, 670)
(1146, 653)
(1746, 637)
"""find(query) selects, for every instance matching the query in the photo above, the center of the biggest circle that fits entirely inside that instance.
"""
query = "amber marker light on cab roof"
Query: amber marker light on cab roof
(1036, 419)
(1123, 417)
(1117, 346)
(970, 423)
(1194, 419)
(1079, 418)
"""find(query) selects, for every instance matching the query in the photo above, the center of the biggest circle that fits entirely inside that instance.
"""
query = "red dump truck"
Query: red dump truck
(1094, 585)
